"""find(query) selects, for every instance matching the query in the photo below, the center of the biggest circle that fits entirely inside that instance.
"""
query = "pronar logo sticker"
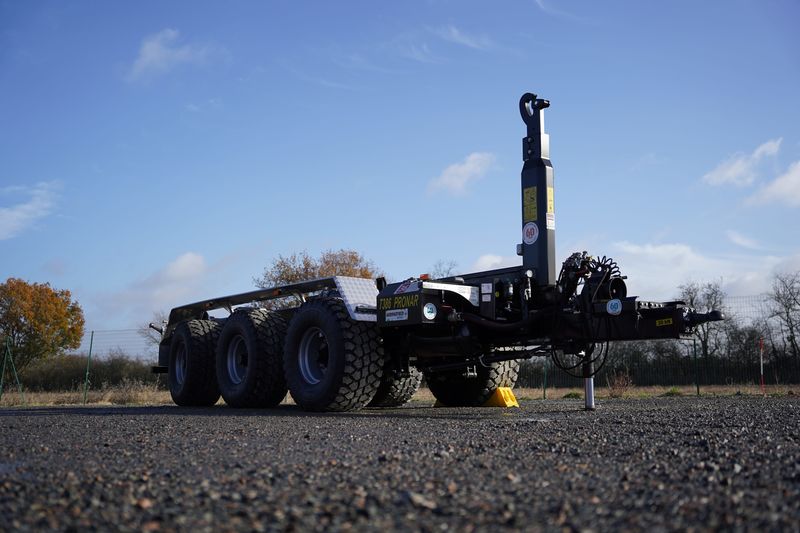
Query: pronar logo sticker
(530, 233)
(614, 307)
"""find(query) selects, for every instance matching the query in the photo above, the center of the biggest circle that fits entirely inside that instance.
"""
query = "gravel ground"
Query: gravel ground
(660, 464)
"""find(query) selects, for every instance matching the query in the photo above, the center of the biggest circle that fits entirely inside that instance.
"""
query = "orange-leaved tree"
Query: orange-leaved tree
(302, 267)
(38, 320)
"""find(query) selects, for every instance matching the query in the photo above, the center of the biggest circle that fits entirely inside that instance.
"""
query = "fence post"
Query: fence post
(544, 379)
(588, 384)
(9, 357)
(761, 360)
(88, 364)
(696, 367)
(3, 373)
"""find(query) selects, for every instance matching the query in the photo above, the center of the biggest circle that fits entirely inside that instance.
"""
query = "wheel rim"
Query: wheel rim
(237, 359)
(180, 364)
(312, 357)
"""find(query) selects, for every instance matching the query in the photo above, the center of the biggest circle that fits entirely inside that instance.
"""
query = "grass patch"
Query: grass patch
(129, 392)
(136, 392)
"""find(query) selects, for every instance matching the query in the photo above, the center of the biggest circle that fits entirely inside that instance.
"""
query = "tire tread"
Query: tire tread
(363, 358)
(455, 390)
(201, 382)
(396, 391)
(267, 387)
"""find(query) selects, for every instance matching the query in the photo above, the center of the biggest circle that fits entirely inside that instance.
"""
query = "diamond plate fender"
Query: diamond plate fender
(358, 293)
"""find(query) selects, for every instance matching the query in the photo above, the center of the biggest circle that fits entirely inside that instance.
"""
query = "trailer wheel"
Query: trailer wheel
(249, 363)
(191, 363)
(332, 362)
(394, 391)
(454, 389)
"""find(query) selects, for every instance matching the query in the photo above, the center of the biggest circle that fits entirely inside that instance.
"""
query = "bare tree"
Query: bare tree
(785, 298)
(443, 268)
(149, 334)
(705, 297)
(302, 267)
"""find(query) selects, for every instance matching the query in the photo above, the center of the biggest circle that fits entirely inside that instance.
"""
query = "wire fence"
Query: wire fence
(667, 373)
(130, 342)
(751, 347)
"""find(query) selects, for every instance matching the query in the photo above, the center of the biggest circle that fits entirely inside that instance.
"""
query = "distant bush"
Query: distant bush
(618, 383)
(68, 372)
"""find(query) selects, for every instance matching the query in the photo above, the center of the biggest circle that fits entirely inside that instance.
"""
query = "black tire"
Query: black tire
(192, 381)
(332, 362)
(454, 389)
(249, 359)
(396, 391)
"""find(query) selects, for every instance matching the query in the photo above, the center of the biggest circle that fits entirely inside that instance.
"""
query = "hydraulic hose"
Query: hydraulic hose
(491, 325)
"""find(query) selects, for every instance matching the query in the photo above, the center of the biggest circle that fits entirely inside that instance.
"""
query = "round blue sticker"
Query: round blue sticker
(614, 307)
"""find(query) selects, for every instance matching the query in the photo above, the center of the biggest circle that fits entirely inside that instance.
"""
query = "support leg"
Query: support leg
(588, 385)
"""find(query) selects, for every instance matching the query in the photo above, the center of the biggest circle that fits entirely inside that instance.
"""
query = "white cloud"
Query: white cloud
(186, 267)
(180, 281)
(785, 189)
(740, 240)
(789, 264)
(175, 282)
(211, 103)
(455, 178)
(39, 202)
(655, 271)
(454, 35)
(491, 261)
(418, 52)
(545, 8)
(358, 61)
(741, 169)
(160, 53)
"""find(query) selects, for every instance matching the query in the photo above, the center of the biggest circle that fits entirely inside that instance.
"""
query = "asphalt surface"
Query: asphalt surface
(661, 464)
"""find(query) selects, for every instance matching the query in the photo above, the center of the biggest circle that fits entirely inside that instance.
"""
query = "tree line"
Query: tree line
(771, 333)
(40, 322)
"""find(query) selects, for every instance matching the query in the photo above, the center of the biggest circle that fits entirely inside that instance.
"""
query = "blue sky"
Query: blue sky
(157, 153)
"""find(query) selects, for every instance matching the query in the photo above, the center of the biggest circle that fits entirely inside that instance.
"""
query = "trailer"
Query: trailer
(342, 343)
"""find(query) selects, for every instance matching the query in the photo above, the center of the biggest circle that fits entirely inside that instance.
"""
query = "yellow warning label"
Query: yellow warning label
(551, 203)
(529, 211)
(663, 322)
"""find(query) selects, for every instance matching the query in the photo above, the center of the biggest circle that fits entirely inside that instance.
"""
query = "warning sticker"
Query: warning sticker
(487, 287)
(551, 203)
(664, 322)
(396, 314)
(530, 233)
(410, 285)
(529, 211)
(551, 221)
